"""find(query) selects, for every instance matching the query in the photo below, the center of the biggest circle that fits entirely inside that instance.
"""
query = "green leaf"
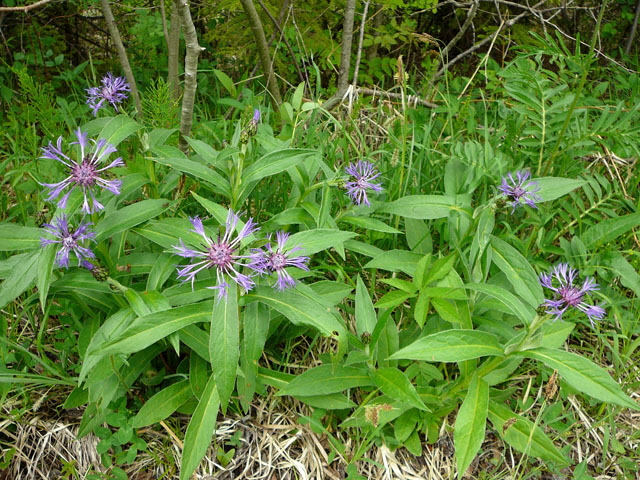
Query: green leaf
(148, 329)
(118, 128)
(610, 229)
(471, 422)
(161, 270)
(396, 260)
(196, 339)
(299, 309)
(368, 224)
(333, 401)
(11, 376)
(206, 151)
(7, 266)
(21, 279)
(166, 232)
(393, 383)
(201, 429)
(326, 379)
(366, 318)
(129, 217)
(623, 269)
(255, 329)
(224, 344)
(145, 303)
(555, 187)
(296, 99)
(275, 162)
(14, 238)
(313, 241)
(508, 299)
(45, 270)
(113, 326)
(425, 207)
(523, 434)
(518, 270)
(451, 346)
(583, 375)
(216, 182)
(226, 82)
(162, 404)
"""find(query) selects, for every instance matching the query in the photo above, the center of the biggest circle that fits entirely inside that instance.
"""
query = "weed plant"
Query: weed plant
(444, 261)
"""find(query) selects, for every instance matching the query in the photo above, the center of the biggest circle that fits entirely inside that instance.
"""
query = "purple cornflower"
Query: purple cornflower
(362, 174)
(568, 295)
(69, 239)
(220, 254)
(520, 190)
(256, 118)
(84, 174)
(112, 91)
(275, 260)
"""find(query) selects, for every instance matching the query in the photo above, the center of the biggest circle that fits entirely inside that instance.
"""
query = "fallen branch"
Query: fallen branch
(410, 99)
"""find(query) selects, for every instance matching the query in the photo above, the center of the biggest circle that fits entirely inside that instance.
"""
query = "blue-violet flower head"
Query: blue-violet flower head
(361, 174)
(520, 190)
(275, 258)
(85, 173)
(69, 241)
(256, 117)
(112, 90)
(221, 254)
(561, 281)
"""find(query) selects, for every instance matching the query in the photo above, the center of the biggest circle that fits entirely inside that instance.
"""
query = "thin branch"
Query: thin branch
(122, 53)
(360, 42)
(634, 27)
(276, 24)
(24, 8)
(263, 51)
(465, 26)
(484, 41)
(190, 70)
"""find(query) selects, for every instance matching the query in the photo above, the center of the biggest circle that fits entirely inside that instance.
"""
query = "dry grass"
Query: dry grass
(274, 445)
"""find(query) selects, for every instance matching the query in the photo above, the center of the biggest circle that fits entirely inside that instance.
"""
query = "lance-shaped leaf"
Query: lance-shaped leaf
(162, 404)
(148, 329)
(583, 375)
(523, 435)
(518, 270)
(129, 217)
(224, 342)
(470, 424)
(200, 431)
(424, 207)
(393, 383)
(299, 309)
(327, 379)
(451, 346)
(555, 187)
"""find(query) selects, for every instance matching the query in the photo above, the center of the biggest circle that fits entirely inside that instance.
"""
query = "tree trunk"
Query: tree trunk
(190, 70)
(263, 51)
